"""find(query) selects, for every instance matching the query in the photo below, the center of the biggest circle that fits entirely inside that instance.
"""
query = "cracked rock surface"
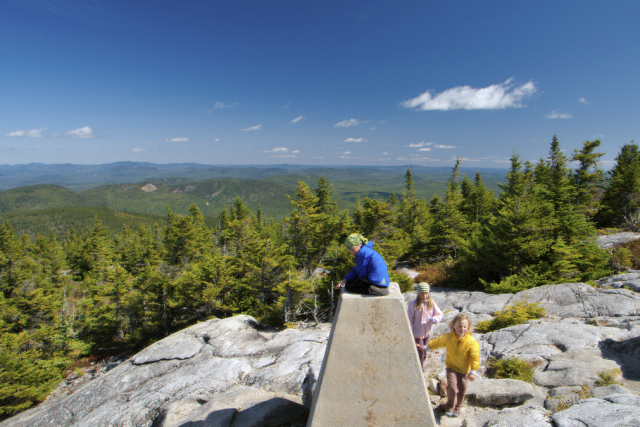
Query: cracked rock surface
(234, 372)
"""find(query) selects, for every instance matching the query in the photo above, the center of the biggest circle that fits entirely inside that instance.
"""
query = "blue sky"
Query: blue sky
(315, 82)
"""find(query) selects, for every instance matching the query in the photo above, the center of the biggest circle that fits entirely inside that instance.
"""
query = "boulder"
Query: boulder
(498, 392)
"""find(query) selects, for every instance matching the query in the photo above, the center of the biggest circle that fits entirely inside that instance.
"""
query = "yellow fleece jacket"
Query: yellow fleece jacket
(463, 354)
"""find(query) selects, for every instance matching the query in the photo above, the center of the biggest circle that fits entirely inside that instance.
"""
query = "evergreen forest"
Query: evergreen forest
(66, 300)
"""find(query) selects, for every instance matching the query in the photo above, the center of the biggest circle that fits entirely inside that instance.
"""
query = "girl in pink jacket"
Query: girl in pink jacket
(423, 314)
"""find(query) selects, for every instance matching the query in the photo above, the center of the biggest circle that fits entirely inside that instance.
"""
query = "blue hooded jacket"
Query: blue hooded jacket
(371, 266)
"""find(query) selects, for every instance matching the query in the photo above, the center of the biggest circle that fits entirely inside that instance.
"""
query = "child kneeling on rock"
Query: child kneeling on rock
(462, 361)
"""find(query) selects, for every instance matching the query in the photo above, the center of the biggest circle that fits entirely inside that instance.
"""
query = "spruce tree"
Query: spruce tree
(588, 177)
(621, 199)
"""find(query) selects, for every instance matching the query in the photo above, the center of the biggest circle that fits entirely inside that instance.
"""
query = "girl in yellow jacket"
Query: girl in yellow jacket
(463, 359)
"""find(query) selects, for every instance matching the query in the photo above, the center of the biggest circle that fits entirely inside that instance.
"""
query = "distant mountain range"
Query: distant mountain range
(40, 192)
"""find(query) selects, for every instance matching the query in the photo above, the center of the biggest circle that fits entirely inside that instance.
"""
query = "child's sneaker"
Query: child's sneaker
(451, 414)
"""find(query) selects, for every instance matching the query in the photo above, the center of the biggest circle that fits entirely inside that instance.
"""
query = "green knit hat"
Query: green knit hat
(354, 240)
(421, 287)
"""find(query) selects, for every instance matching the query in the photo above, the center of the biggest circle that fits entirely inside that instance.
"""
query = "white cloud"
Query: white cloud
(372, 128)
(584, 101)
(498, 96)
(297, 119)
(137, 150)
(285, 155)
(387, 154)
(277, 149)
(287, 105)
(419, 144)
(355, 140)
(180, 139)
(346, 152)
(444, 146)
(257, 127)
(33, 133)
(295, 151)
(347, 123)
(219, 105)
(85, 132)
(216, 140)
(557, 115)
(425, 149)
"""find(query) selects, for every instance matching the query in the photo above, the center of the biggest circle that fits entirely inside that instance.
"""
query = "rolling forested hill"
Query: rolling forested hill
(211, 196)
(64, 193)
(44, 196)
(80, 218)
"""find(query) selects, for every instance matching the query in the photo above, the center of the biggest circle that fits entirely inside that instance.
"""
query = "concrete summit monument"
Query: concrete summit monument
(371, 374)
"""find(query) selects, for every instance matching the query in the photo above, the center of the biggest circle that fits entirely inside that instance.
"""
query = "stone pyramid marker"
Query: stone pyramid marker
(371, 373)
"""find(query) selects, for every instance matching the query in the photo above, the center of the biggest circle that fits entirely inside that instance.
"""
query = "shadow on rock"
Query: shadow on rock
(626, 353)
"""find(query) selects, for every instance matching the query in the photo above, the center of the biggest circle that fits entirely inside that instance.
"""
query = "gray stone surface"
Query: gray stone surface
(568, 395)
(563, 300)
(239, 406)
(192, 377)
(234, 351)
(613, 240)
(498, 392)
(522, 416)
(615, 410)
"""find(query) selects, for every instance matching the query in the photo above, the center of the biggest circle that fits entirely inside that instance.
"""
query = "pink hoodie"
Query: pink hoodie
(419, 320)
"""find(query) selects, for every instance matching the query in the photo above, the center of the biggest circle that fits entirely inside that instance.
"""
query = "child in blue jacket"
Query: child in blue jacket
(370, 275)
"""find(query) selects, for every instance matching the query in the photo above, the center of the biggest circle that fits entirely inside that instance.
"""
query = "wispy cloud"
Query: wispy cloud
(257, 127)
(285, 155)
(419, 144)
(584, 101)
(557, 115)
(219, 105)
(85, 132)
(425, 149)
(498, 96)
(82, 11)
(287, 105)
(355, 140)
(347, 123)
(295, 151)
(33, 133)
(137, 150)
(180, 139)
(297, 119)
(277, 150)
(444, 146)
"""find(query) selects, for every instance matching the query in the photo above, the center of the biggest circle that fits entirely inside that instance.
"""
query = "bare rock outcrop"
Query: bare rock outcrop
(234, 372)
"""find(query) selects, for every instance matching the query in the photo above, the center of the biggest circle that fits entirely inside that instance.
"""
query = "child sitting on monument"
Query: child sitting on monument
(423, 314)
(462, 361)
(370, 275)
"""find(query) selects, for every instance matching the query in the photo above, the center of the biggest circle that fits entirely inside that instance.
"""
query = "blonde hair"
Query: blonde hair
(459, 318)
(419, 302)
